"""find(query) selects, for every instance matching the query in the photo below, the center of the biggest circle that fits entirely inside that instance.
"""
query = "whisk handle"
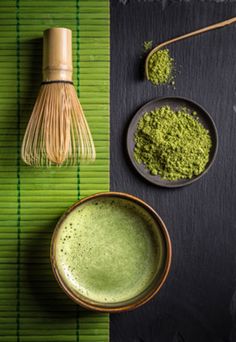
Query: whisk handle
(57, 54)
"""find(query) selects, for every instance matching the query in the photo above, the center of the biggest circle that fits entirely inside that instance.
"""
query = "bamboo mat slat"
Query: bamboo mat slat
(32, 306)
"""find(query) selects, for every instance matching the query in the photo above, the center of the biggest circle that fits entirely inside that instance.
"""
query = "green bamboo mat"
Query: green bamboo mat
(32, 306)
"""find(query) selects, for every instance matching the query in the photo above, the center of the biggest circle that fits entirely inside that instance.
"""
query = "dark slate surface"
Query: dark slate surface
(198, 301)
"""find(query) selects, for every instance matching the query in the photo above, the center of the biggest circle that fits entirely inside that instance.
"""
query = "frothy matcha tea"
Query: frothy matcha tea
(109, 250)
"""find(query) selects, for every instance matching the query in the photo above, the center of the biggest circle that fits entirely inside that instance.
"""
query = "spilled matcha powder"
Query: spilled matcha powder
(172, 144)
(160, 67)
(147, 45)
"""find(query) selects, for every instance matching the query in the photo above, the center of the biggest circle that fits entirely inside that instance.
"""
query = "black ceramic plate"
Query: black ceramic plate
(175, 103)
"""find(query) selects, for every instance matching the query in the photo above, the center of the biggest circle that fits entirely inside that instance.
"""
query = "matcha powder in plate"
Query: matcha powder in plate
(172, 144)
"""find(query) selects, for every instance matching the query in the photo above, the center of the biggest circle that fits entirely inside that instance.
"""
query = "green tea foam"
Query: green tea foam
(109, 250)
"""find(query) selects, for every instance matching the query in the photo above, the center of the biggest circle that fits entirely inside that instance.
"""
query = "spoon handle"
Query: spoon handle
(194, 33)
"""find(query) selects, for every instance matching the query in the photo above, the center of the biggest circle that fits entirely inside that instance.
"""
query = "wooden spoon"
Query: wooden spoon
(187, 35)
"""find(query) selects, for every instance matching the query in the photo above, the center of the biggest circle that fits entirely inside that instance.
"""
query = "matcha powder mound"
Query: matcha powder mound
(172, 144)
(160, 67)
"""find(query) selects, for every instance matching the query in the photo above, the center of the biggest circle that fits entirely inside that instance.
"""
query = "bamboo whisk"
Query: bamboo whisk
(57, 131)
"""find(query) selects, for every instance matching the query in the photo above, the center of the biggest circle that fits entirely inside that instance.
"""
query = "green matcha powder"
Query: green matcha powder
(172, 144)
(147, 45)
(160, 67)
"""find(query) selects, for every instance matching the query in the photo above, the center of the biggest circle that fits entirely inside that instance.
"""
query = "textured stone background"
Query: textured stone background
(197, 303)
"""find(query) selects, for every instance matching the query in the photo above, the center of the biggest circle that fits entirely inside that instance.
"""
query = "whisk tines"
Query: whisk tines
(57, 132)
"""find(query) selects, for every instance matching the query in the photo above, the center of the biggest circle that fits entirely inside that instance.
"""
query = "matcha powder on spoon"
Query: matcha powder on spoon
(172, 144)
(160, 67)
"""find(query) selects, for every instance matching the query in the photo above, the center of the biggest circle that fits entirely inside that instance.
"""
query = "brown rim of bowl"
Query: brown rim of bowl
(140, 301)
